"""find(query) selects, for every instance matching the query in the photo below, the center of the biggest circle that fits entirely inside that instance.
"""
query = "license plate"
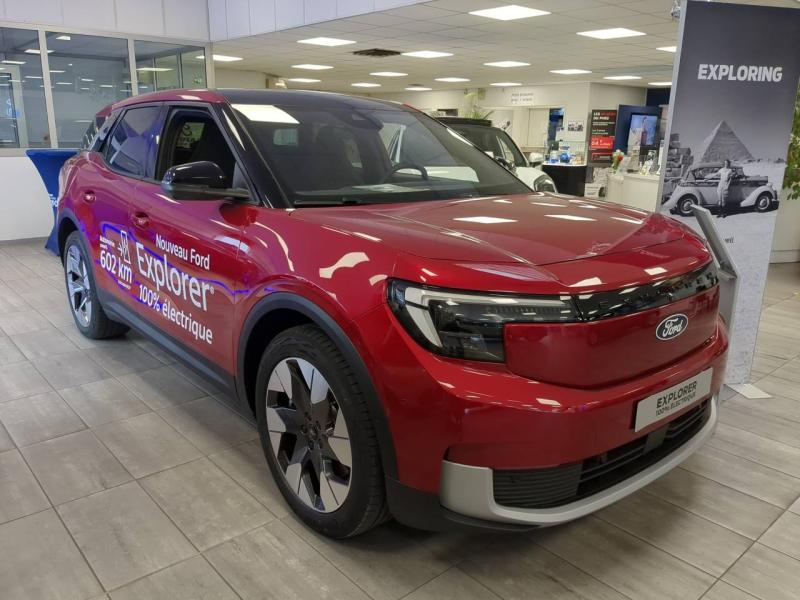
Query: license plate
(669, 401)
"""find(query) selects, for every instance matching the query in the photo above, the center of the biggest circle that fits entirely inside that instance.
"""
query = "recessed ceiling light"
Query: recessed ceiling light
(365, 84)
(668, 48)
(87, 80)
(312, 67)
(35, 51)
(418, 88)
(151, 70)
(611, 34)
(388, 74)
(505, 84)
(63, 83)
(505, 64)
(304, 80)
(106, 85)
(452, 79)
(660, 83)
(326, 41)
(56, 71)
(621, 77)
(509, 13)
(13, 62)
(570, 71)
(33, 76)
(64, 38)
(427, 54)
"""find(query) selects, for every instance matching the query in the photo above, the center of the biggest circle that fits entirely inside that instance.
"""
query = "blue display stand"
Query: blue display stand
(49, 162)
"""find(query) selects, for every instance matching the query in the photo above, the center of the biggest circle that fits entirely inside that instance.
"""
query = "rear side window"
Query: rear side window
(128, 147)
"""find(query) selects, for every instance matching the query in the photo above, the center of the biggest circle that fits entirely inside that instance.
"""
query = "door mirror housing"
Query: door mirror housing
(201, 180)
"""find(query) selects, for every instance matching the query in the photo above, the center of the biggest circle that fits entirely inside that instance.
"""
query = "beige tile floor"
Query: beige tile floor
(123, 474)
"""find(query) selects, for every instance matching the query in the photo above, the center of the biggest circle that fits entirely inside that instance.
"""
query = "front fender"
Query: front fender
(753, 196)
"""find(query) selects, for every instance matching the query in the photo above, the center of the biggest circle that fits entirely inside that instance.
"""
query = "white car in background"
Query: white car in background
(500, 146)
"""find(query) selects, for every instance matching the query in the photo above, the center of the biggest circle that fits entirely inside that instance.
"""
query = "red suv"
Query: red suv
(417, 334)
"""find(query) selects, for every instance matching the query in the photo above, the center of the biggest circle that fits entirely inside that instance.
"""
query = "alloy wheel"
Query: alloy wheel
(79, 286)
(308, 434)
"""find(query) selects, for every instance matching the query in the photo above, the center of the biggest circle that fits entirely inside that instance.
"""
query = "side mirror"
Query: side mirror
(202, 180)
(505, 163)
(535, 159)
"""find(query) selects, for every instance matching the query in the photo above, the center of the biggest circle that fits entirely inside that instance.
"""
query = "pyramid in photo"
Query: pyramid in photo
(723, 143)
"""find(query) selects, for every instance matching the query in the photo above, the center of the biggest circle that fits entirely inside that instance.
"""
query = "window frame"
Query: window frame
(102, 148)
(130, 38)
(171, 108)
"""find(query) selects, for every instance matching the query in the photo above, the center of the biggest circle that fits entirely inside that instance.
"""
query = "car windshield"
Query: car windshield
(493, 141)
(338, 155)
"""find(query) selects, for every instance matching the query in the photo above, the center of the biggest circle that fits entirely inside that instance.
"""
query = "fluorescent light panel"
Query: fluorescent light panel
(570, 71)
(64, 38)
(220, 57)
(152, 70)
(326, 41)
(452, 79)
(507, 64)
(365, 84)
(509, 13)
(389, 74)
(13, 62)
(660, 83)
(427, 54)
(611, 34)
(312, 67)
(418, 88)
(304, 80)
(622, 77)
(505, 84)
(668, 48)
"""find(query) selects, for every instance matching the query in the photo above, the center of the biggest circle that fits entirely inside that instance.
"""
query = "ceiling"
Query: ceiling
(546, 42)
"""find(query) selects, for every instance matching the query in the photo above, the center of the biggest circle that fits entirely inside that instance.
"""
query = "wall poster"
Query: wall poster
(602, 125)
(730, 121)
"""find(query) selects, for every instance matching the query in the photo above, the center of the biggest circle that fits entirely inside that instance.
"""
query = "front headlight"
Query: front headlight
(544, 183)
(467, 325)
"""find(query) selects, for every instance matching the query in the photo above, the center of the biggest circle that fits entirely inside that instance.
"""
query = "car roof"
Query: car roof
(284, 97)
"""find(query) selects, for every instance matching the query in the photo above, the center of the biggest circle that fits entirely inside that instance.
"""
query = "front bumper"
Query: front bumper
(469, 490)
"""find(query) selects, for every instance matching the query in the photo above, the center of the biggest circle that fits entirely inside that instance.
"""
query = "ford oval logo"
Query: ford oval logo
(672, 327)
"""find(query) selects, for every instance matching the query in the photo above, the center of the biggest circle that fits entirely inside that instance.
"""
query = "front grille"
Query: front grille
(616, 303)
(554, 486)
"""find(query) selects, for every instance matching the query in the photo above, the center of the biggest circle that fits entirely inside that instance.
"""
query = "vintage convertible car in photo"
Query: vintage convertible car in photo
(699, 186)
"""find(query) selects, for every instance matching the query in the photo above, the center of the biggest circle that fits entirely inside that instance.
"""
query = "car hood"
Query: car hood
(536, 229)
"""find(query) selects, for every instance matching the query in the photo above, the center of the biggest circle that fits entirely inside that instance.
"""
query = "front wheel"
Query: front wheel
(89, 316)
(685, 206)
(763, 202)
(317, 435)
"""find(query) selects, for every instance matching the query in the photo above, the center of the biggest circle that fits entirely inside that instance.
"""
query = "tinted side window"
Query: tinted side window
(128, 147)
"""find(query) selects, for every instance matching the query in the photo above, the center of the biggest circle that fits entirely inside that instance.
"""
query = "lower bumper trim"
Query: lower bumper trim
(469, 490)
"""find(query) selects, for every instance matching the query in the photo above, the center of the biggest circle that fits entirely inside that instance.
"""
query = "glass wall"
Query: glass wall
(88, 73)
(23, 113)
(161, 66)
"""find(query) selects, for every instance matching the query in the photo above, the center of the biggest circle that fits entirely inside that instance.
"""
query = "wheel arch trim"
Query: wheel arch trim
(318, 316)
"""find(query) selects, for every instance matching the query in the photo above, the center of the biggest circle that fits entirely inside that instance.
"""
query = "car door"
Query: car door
(186, 250)
(108, 183)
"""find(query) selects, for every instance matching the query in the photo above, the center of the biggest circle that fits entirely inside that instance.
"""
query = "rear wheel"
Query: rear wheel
(685, 206)
(763, 202)
(317, 436)
(89, 316)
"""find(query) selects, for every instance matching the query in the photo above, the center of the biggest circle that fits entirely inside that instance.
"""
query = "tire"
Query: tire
(684, 206)
(90, 318)
(763, 202)
(311, 434)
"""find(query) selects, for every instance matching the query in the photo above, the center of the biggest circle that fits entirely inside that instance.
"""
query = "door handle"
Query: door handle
(89, 197)
(141, 220)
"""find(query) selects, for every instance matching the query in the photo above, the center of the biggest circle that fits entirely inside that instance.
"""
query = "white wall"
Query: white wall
(184, 19)
(603, 95)
(238, 18)
(786, 241)
(25, 209)
(234, 78)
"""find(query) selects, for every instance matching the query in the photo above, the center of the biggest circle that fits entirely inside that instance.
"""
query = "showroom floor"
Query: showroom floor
(121, 472)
